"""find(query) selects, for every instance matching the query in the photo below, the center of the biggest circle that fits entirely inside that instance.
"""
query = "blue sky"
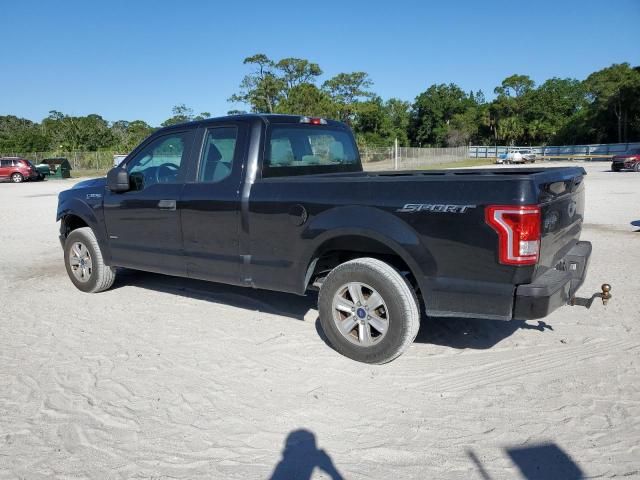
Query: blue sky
(136, 59)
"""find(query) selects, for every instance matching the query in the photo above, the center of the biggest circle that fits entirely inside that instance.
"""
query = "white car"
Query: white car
(512, 156)
(528, 156)
(517, 156)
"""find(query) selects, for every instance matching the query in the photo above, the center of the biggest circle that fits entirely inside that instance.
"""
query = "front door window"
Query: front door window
(161, 161)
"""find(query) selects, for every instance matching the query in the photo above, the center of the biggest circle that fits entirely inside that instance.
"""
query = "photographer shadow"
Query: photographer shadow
(301, 456)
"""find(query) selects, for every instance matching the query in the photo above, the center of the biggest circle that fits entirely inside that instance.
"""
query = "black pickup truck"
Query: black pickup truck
(281, 202)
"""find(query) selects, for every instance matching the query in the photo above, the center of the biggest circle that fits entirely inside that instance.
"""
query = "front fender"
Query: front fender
(373, 223)
(91, 215)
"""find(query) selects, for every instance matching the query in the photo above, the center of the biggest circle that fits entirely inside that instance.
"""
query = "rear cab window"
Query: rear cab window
(303, 149)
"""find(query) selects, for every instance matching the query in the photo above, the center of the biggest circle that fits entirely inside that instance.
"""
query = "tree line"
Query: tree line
(603, 108)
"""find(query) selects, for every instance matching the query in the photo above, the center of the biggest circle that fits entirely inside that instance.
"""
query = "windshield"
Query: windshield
(304, 150)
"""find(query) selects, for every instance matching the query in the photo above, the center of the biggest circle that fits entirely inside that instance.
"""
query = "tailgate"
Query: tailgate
(562, 203)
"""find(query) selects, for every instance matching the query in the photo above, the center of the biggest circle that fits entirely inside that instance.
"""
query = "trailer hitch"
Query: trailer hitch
(605, 295)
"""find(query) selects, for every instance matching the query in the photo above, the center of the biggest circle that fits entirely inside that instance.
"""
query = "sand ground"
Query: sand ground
(163, 377)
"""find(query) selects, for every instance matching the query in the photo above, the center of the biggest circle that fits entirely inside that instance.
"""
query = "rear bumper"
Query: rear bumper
(555, 287)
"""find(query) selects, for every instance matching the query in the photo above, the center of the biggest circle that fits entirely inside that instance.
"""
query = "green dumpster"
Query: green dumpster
(43, 170)
(59, 167)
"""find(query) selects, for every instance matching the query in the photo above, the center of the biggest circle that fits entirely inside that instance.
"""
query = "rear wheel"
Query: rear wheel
(368, 311)
(615, 167)
(636, 167)
(17, 177)
(84, 262)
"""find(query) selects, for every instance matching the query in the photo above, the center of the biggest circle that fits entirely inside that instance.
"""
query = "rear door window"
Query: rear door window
(218, 154)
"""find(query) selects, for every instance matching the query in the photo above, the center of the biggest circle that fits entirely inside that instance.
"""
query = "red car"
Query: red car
(627, 161)
(17, 169)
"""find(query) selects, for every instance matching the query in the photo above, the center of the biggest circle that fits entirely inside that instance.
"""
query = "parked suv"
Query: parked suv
(627, 161)
(17, 169)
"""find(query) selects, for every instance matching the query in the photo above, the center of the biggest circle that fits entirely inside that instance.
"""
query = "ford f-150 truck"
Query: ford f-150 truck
(281, 202)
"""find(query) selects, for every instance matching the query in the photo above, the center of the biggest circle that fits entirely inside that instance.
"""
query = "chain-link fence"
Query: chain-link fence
(594, 151)
(410, 158)
(78, 160)
(378, 158)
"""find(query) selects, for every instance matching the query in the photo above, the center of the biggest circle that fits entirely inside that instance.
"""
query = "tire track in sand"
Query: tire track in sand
(502, 370)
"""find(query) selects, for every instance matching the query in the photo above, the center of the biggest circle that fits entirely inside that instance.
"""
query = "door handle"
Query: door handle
(167, 204)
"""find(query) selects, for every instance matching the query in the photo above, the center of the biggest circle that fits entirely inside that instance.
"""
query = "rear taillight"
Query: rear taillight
(518, 229)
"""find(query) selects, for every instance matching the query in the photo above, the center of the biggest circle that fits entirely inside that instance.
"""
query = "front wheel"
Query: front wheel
(368, 311)
(636, 167)
(84, 262)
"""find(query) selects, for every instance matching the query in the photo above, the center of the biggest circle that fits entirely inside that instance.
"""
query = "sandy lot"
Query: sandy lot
(163, 377)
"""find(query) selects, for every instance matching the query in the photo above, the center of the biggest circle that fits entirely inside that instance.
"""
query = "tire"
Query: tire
(615, 167)
(636, 167)
(85, 265)
(17, 177)
(376, 283)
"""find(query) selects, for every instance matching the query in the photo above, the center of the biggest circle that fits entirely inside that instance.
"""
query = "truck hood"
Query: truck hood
(91, 183)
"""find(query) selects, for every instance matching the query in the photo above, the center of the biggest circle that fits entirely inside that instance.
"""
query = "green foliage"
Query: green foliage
(433, 112)
(614, 102)
(129, 134)
(307, 99)
(262, 89)
(297, 71)
(288, 86)
(399, 113)
(20, 134)
(379, 123)
(181, 114)
(603, 108)
(347, 90)
(515, 86)
(67, 132)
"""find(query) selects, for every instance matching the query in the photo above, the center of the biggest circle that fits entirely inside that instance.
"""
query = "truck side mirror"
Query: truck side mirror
(118, 180)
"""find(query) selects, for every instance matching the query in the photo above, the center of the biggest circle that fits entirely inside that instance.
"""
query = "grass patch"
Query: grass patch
(90, 172)
(471, 162)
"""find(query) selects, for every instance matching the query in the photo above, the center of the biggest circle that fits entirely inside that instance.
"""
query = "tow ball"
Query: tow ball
(605, 295)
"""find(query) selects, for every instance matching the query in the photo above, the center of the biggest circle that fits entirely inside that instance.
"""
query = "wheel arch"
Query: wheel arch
(71, 222)
(348, 246)
(370, 233)
(74, 214)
